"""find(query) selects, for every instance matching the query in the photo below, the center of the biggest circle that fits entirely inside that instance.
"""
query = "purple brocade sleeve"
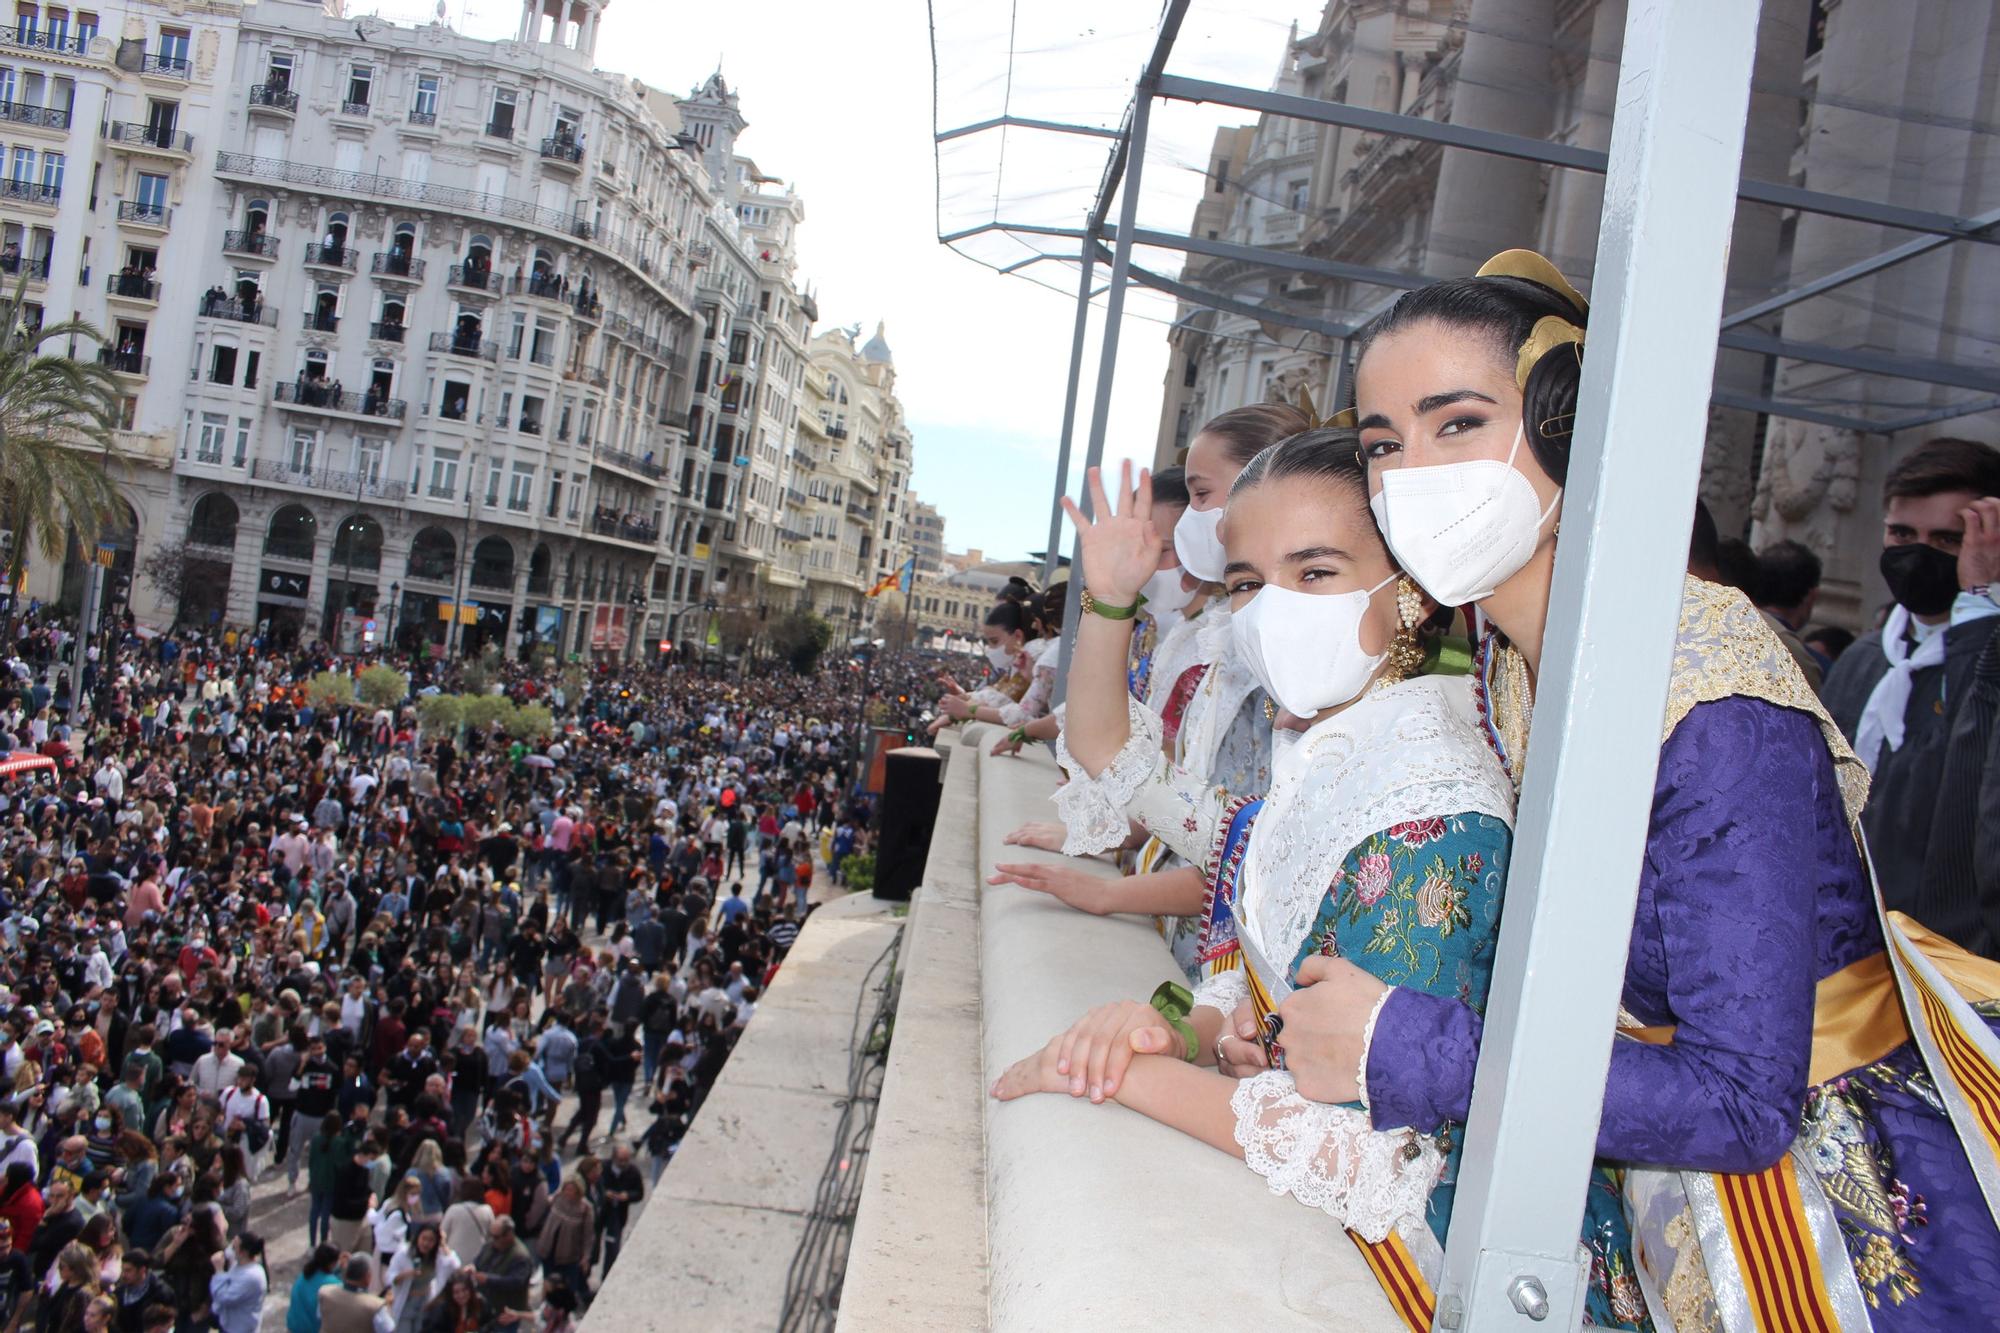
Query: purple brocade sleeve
(1746, 848)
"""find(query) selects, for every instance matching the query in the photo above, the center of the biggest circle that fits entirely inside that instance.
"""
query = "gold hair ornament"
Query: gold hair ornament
(1550, 331)
(1341, 420)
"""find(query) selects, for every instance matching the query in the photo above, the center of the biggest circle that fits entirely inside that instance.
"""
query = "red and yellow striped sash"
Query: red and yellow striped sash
(1977, 1080)
(1774, 1251)
(1395, 1268)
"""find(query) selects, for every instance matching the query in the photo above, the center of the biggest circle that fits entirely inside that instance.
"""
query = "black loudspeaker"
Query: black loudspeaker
(911, 784)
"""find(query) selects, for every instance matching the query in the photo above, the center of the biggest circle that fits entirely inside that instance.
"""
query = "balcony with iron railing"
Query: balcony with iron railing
(165, 66)
(360, 484)
(138, 287)
(17, 266)
(562, 150)
(453, 344)
(234, 308)
(321, 255)
(274, 97)
(321, 321)
(625, 527)
(320, 395)
(432, 569)
(629, 462)
(383, 331)
(137, 213)
(473, 277)
(257, 244)
(353, 108)
(492, 577)
(586, 305)
(125, 361)
(26, 36)
(31, 192)
(149, 138)
(35, 117)
(496, 130)
(456, 199)
(397, 266)
(423, 119)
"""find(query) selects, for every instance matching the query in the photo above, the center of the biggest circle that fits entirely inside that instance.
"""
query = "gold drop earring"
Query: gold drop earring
(1406, 651)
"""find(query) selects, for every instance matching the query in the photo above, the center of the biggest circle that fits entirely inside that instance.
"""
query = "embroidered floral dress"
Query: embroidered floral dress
(1384, 839)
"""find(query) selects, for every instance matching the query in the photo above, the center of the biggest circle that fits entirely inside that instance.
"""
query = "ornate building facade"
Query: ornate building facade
(1878, 102)
(424, 337)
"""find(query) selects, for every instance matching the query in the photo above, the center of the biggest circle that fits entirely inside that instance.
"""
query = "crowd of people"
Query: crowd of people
(1297, 715)
(451, 986)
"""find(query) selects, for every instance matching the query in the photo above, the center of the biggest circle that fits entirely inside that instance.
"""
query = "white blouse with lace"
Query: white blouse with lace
(1036, 664)
(1402, 753)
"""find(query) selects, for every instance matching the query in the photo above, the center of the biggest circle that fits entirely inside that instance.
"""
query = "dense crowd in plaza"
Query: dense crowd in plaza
(452, 986)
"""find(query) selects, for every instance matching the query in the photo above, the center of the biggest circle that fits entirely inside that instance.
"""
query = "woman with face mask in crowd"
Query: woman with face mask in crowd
(1806, 1162)
(1384, 834)
(1216, 721)
(1020, 647)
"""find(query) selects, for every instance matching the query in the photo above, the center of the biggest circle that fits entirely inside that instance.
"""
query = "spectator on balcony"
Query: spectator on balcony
(10, 257)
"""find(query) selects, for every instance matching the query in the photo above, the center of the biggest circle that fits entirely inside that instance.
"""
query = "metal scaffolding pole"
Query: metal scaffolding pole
(1107, 359)
(1669, 199)
(1049, 561)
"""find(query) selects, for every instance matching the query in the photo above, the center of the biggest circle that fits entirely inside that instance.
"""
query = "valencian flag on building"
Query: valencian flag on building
(900, 580)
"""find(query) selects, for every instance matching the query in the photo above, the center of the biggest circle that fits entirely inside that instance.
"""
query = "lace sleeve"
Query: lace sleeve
(1137, 784)
(1328, 1158)
(1222, 992)
(1035, 703)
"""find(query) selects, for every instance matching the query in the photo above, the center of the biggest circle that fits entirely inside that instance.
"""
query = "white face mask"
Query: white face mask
(1165, 597)
(1198, 543)
(1305, 648)
(1461, 529)
(1001, 656)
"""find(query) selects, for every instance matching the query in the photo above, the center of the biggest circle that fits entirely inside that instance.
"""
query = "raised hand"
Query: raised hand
(1979, 554)
(1121, 548)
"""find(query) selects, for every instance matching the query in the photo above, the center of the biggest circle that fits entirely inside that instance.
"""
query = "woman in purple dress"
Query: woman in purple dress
(1798, 1134)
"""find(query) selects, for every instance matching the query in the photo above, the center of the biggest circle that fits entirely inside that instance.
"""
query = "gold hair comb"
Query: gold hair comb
(1550, 331)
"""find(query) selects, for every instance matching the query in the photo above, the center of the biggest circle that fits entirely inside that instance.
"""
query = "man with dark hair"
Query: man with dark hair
(1787, 585)
(1919, 696)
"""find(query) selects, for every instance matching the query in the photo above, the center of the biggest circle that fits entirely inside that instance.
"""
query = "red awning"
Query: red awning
(22, 761)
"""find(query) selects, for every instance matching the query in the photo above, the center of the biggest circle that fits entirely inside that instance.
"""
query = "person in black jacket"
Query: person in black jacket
(592, 1072)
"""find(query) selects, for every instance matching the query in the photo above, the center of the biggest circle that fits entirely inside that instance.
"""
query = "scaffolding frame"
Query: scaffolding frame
(1684, 82)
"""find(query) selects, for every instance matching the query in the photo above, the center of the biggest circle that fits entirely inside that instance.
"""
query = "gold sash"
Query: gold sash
(1857, 1014)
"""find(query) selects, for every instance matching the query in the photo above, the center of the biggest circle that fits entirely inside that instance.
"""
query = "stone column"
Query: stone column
(1578, 196)
(1484, 203)
(1756, 269)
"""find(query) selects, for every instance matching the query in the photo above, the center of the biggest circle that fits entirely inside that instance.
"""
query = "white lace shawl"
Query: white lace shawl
(1403, 753)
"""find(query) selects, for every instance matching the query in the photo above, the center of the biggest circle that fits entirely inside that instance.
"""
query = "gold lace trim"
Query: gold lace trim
(1725, 649)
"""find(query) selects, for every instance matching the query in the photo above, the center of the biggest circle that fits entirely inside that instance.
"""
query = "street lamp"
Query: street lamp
(395, 605)
(638, 602)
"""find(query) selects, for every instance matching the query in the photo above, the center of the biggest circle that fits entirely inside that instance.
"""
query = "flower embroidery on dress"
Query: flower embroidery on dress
(1417, 833)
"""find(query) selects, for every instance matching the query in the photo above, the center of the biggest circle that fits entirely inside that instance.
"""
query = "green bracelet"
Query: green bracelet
(1175, 1003)
(1018, 736)
(1092, 606)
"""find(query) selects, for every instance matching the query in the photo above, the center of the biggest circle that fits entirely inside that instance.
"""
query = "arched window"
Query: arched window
(433, 555)
(214, 521)
(292, 533)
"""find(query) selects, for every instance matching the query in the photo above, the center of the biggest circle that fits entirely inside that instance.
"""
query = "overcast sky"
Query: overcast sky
(838, 97)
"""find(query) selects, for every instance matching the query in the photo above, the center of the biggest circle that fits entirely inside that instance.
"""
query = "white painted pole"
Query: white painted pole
(1663, 244)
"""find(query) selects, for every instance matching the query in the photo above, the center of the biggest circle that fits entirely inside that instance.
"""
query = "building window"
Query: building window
(425, 109)
(521, 488)
(242, 437)
(278, 73)
(555, 495)
(444, 473)
(368, 458)
(214, 430)
(493, 486)
(174, 50)
(305, 443)
(222, 368)
(500, 123)
(23, 170)
(152, 195)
